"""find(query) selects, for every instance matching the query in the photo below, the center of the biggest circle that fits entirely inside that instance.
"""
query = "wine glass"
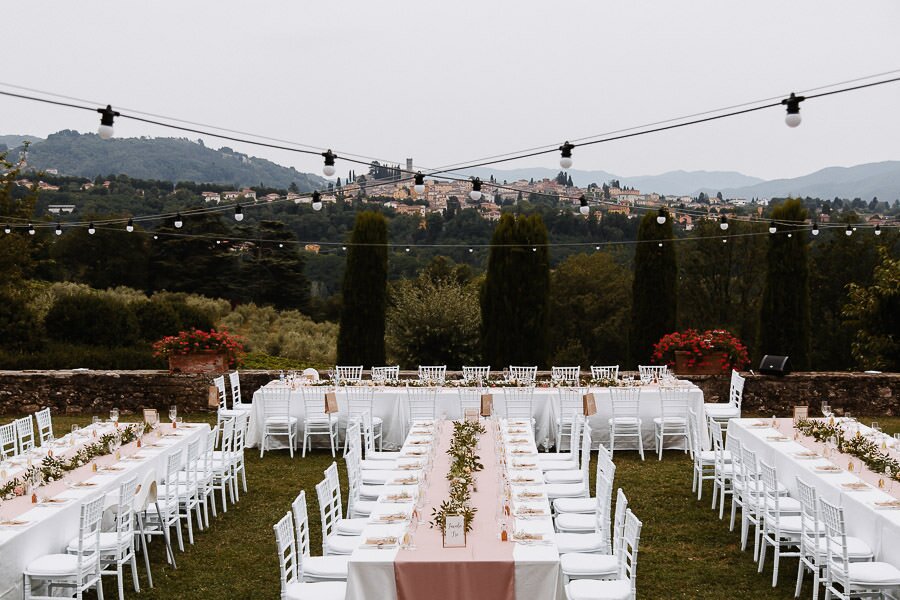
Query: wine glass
(173, 413)
(95, 420)
(114, 415)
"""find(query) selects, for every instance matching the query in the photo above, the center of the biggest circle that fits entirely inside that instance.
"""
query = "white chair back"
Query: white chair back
(525, 375)
(470, 397)
(586, 459)
(838, 561)
(235, 380)
(240, 433)
(577, 426)
(518, 402)
(287, 552)
(348, 374)
(328, 511)
(610, 373)
(602, 511)
(368, 432)
(334, 483)
(477, 374)
(354, 479)
(219, 382)
(9, 442)
(674, 402)
(301, 524)
(569, 375)
(619, 521)
(45, 425)
(173, 465)
(145, 493)
(358, 399)
(433, 375)
(382, 374)
(628, 554)
(420, 403)
(626, 402)
(571, 402)
(25, 434)
(652, 372)
(810, 526)
(125, 516)
(605, 464)
(736, 391)
(88, 558)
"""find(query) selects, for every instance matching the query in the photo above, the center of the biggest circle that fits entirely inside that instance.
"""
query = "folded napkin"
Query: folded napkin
(829, 468)
(856, 486)
(806, 454)
(405, 481)
(777, 438)
(381, 541)
(888, 503)
(519, 465)
(525, 536)
(394, 518)
(410, 467)
(529, 511)
(403, 496)
(528, 494)
(13, 523)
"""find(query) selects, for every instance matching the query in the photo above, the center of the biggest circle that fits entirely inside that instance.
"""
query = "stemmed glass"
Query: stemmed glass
(173, 414)
(114, 415)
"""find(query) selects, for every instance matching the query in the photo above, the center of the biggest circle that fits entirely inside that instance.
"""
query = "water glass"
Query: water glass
(173, 413)
(875, 427)
(75, 429)
(114, 415)
(95, 420)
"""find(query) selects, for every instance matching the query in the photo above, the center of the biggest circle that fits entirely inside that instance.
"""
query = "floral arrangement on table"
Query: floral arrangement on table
(699, 344)
(53, 468)
(464, 464)
(196, 340)
(858, 445)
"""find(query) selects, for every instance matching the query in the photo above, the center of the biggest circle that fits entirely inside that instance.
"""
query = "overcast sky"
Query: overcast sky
(454, 81)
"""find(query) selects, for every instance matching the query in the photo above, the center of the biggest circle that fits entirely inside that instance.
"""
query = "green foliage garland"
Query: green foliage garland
(461, 475)
(856, 445)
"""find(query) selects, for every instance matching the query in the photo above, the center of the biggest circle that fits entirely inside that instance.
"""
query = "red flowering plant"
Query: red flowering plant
(699, 344)
(195, 340)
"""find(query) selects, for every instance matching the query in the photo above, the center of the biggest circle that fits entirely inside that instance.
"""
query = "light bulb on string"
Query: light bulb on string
(238, 213)
(316, 201)
(661, 216)
(344, 248)
(155, 237)
(58, 229)
(790, 235)
(329, 169)
(471, 250)
(724, 240)
(660, 244)
(772, 227)
(31, 230)
(7, 229)
(130, 226)
(105, 131)
(475, 194)
(533, 249)
(407, 249)
(91, 229)
(419, 187)
(815, 229)
(792, 118)
(280, 245)
(565, 159)
(877, 229)
(597, 248)
(585, 209)
(849, 231)
(723, 223)
(178, 221)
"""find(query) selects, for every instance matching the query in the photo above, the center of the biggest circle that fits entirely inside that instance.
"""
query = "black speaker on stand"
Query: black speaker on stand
(775, 365)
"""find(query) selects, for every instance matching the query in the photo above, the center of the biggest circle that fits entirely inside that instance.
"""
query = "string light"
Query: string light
(130, 226)
(723, 223)
(329, 169)
(58, 229)
(724, 240)
(475, 194)
(878, 229)
(471, 250)
(772, 227)
(660, 244)
(238, 213)
(419, 187)
(407, 249)
(815, 229)
(7, 229)
(565, 159)
(316, 201)
(30, 229)
(533, 249)
(585, 209)
(178, 221)
(661, 216)
(849, 231)
(792, 118)
(91, 229)
(343, 247)
(105, 131)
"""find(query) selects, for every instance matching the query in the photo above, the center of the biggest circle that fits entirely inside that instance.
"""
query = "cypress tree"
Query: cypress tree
(515, 297)
(784, 320)
(654, 289)
(361, 334)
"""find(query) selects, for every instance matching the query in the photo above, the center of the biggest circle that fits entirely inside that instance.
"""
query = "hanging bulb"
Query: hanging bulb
(343, 247)
(30, 229)
(790, 235)
(178, 221)
(877, 230)
(792, 118)
(316, 201)
(661, 216)
(58, 229)
(155, 237)
(105, 131)
(849, 231)
(471, 250)
(724, 240)
(534, 249)
(238, 213)
(815, 229)
(407, 249)
(91, 230)
(660, 244)
(723, 223)
(585, 209)
(772, 227)
(130, 226)
(420, 183)
(281, 245)
(565, 160)
(475, 194)
(328, 169)
(597, 248)
(7, 229)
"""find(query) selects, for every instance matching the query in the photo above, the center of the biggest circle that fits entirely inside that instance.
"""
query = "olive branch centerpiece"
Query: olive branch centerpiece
(464, 463)
(858, 445)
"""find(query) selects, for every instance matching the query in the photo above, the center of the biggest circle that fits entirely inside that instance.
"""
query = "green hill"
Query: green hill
(168, 159)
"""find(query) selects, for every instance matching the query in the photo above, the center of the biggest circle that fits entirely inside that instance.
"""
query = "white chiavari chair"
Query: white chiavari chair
(571, 403)
(575, 490)
(292, 585)
(577, 472)
(608, 372)
(366, 490)
(704, 460)
(332, 541)
(368, 435)
(25, 434)
(433, 375)
(45, 426)
(359, 399)
(623, 587)
(723, 473)
(552, 461)
(238, 468)
(75, 572)
(517, 403)
(584, 565)
(780, 521)
(234, 380)
(626, 420)
(470, 396)
(383, 374)
(477, 374)
(314, 568)
(567, 375)
(183, 484)
(343, 526)
(722, 412)
(221, 467)
(356, 505)
(523, 375)
(672, 421)
(317, 422)
(650, 373)
(598, 522)
(9, 442)
(165, 515)
(420, 404)
(348, 374)
(223, 412)
(587, 505)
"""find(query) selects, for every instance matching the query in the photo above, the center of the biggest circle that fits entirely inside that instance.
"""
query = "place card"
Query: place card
(454, 531)
(472, 415)
(801, 413)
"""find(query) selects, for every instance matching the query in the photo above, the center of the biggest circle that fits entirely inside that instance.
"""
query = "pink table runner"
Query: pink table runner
(786, 427)
(484, 568)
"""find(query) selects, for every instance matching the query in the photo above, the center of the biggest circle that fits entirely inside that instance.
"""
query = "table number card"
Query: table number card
(472, 415)
(590, 405)
(455, 531)
(331, 405)
(801, 412)
(487, 404)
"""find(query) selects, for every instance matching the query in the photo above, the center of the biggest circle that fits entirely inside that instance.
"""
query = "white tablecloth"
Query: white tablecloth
(880, 529)
(389, 404)
(52, 528)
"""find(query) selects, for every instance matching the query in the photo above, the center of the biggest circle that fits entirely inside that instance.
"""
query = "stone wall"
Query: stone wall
(95, 392)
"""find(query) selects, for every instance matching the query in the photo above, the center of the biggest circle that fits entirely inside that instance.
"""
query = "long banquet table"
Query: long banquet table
(486, 566)
(878, 527)
(389, 403)
(49, 528)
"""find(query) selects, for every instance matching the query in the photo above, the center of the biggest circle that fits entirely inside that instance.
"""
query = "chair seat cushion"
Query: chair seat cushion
(381, 477)
(370, 491)
(378, 455)
(53, 565)
(351, 526)
(877, 573)
(625, 421)
(565, 490)
(591, 589)
(563, 476)
(377, 465)
(364, 507)
(578, 542)
(709, 457)
(671, 421)
(721, 410)
(551, 457)
(586, 522)
(321, 590)
(558, 465)
(575, 505)
(109, 540)
(787, 525)
(856, 548)
(785, 505)
(575, 564)
(343, 544)
(285, 420)
(327, 567)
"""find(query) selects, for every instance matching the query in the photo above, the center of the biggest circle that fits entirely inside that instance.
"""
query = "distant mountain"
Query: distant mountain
(168, 159)
(14, 141)
(674, 182)
(881, 180)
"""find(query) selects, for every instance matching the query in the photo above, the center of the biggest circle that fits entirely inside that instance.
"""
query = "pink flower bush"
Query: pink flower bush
(195, 340)
(699, 345)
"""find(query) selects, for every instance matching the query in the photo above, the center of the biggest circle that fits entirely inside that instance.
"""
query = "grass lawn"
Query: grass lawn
(685, 550)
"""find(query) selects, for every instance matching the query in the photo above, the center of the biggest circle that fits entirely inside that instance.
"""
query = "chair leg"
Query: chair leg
(762, 554)
(121, 581)
(800, 568)
(305, 439)
(144, 549)
(177, 525)
(733, 512)
(134, 573)
(777, 550)
(640, 443)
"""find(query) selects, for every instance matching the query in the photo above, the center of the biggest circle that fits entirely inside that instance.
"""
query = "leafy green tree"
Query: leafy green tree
(874, 312)
(362, 324)
(17, 248)
(92, 319)
(654, 291)
(515, 298)
(590, 301)
(784, 319)
(20, 329)
(273, 272)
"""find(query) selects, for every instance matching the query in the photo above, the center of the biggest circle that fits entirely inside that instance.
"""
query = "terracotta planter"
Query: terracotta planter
(203, 361)
(709, 364)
